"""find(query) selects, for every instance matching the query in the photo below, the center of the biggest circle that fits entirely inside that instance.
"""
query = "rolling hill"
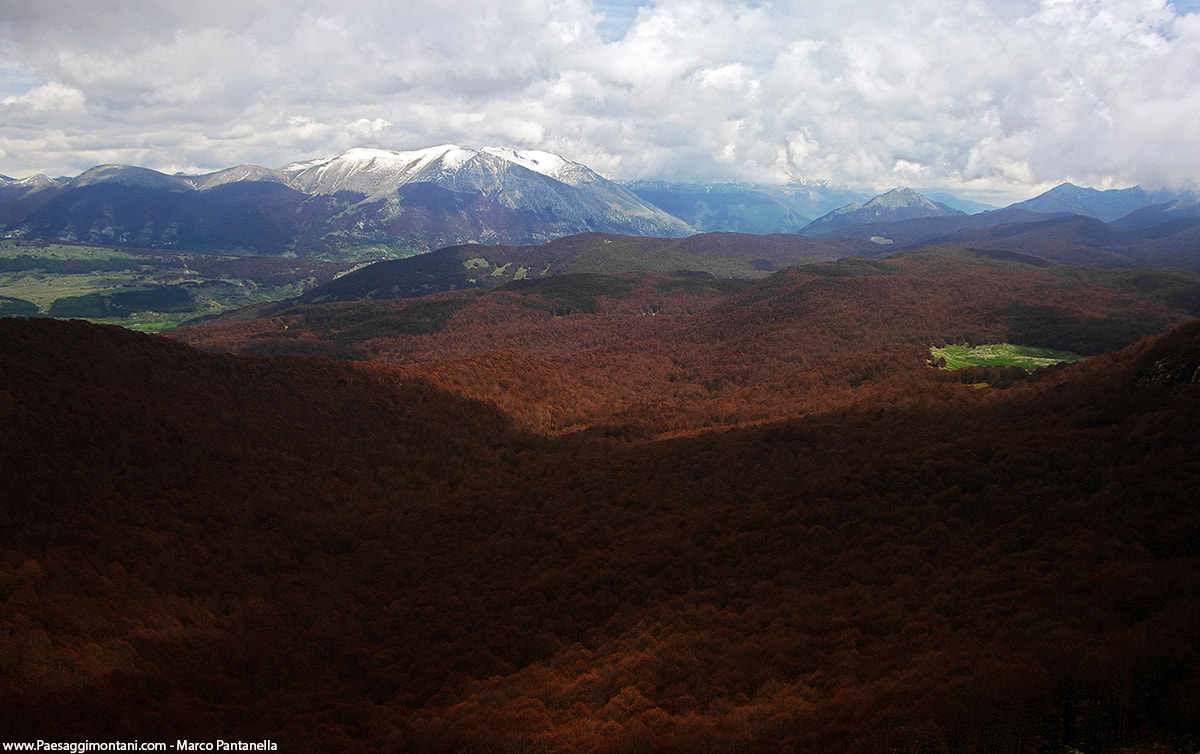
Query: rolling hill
(1079, 240)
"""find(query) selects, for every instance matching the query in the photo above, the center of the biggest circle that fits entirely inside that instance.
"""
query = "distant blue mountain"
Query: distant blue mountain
(742, 207)
(894, 206)
(1103, 205)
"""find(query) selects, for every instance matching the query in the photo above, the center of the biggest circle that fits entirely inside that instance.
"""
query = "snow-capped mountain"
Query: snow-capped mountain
(407, 202)
(378, 171)
(546, 163)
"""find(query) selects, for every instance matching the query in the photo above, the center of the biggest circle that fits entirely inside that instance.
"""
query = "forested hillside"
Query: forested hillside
(651, 353)
(630, 513)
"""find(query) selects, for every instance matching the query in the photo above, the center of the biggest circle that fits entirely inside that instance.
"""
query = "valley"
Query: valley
(140, 288)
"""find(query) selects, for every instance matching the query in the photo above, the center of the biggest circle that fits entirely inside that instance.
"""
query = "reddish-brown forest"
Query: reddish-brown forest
(683, 521)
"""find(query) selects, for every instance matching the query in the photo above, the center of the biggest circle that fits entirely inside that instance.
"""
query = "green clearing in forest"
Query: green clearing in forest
(143, 290)
(999, 354)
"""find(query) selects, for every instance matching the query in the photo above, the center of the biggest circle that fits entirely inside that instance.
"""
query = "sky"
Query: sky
(994, 100)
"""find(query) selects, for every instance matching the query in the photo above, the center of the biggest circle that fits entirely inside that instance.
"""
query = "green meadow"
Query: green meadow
(999, 354)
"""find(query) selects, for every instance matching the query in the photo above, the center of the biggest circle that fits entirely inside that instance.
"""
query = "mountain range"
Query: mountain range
(402, 202)
(1067, 198)
(376, 203)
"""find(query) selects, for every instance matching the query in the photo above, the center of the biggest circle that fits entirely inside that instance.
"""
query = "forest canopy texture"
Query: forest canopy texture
(662, 514)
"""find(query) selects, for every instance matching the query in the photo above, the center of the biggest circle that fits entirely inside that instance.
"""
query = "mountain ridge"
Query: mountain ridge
(1107, 205)
(412, 202)
(451, 194)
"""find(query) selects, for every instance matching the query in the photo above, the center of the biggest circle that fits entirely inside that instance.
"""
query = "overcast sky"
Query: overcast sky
(991, 99)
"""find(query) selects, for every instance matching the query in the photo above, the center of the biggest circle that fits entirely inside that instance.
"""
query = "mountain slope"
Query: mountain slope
(890, 235)
(1176, 212)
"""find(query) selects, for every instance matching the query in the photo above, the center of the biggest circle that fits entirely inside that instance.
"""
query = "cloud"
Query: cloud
(51, 97)
(1004, 97)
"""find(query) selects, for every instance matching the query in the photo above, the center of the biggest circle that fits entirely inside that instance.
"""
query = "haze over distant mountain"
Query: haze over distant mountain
(1080, 240)
(741, 207)
(1174, 212)
(970, 206)
(404, 202)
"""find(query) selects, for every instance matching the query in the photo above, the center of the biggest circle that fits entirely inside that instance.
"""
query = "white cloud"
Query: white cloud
(999, 96)
(51, 97)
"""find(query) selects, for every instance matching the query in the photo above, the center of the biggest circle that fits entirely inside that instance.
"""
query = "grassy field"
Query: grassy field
(999, 354)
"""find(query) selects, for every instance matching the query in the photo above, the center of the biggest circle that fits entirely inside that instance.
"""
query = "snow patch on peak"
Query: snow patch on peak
(369, 158)
(849, 208)
(454, 157)
(37, 181)
(237, 174)
(546, 163)
(374, 171)
(295, 167)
